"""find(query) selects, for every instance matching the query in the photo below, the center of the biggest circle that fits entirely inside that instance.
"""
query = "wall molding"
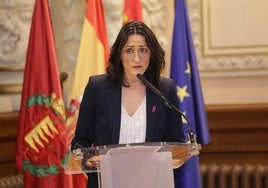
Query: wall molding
(250, 61)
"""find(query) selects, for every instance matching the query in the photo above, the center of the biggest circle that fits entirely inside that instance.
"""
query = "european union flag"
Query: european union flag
(185, 73)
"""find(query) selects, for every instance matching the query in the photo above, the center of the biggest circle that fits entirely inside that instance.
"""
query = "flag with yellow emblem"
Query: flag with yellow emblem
(42, 137)
(185, 73)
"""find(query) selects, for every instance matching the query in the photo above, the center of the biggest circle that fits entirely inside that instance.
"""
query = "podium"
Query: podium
(143, 165)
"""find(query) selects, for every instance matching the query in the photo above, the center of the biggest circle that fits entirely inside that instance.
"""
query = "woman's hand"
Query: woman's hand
(93, 161)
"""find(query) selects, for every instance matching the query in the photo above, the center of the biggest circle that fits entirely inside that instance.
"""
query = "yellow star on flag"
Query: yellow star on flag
(182, 92)
(183, 119)
(188, 69)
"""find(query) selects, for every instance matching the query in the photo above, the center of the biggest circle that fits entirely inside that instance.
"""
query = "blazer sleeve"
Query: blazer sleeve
(84, 136)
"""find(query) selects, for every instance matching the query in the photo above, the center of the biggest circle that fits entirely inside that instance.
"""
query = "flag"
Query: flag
(132, 11)
(93, 50)
(92, 59)
(185, 73)
(92, 56)
(42, 137)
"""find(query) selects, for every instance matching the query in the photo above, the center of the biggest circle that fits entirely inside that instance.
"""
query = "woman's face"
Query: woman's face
(135, 56)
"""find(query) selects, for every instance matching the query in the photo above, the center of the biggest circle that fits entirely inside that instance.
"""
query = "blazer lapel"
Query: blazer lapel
(151, 107)
(113, 98)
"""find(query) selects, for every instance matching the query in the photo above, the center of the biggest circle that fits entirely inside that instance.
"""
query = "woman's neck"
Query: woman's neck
(133, 82)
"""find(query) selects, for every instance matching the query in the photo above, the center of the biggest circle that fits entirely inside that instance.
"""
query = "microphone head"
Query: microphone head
(143, 79)
(63, 76)
(139, 75)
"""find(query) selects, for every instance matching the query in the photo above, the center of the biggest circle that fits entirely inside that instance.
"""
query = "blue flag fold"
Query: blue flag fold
(184, 72)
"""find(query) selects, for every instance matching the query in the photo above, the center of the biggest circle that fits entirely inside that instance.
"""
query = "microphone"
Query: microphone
(63, 77)
(169, 105)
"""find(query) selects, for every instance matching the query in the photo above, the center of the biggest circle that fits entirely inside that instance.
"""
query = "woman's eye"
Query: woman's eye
(129, 51)
(143, 50)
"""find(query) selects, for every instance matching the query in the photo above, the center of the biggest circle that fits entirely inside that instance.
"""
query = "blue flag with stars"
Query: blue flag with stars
(184, 72)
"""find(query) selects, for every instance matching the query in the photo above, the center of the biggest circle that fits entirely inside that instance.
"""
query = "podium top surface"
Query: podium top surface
(181, 152)
(111, 146)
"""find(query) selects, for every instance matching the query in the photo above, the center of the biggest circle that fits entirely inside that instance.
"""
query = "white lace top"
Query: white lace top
(133, 128)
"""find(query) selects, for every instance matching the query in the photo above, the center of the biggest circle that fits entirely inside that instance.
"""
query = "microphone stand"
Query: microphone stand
(191, 134)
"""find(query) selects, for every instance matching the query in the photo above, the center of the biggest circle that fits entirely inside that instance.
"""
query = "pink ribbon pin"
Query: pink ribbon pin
(153, 109)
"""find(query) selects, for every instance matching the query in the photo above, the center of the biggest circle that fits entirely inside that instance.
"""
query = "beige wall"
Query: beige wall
(232, 49)
(235, 88)
(233, 68)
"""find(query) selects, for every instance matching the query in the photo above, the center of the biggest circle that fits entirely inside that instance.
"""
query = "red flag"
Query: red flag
(132, 11)
(42, 136)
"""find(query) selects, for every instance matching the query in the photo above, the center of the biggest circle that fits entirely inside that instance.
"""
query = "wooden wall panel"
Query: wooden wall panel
(239, 134)
(8, 132)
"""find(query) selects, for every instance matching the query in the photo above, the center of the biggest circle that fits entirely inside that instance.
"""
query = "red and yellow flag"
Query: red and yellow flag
(92, 60)
(132, 11)
(93, 50)
(42, 138)
(92, 56)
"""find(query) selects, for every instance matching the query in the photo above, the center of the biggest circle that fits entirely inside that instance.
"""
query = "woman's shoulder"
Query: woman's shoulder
(100, 78)
(166, 84)
(165, 81)
(100, 81)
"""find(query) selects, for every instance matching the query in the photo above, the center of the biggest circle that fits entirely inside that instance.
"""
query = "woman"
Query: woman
(117, 108)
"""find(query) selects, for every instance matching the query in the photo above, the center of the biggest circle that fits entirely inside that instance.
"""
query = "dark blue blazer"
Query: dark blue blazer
(100, 114)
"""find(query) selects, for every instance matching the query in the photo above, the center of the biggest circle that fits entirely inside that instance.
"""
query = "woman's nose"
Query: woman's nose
(137, 57)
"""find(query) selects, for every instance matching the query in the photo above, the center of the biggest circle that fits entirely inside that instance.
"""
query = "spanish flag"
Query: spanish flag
(92, 59)
(132, 11)
(93, 51)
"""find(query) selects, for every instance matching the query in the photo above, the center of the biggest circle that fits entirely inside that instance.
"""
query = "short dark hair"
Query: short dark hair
(115, 68)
